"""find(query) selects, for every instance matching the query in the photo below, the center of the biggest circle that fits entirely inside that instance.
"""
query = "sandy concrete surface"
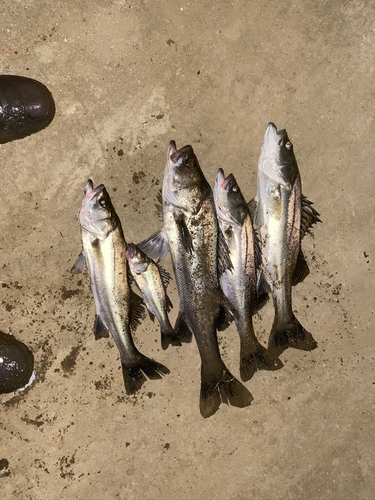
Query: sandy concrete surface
(127, 77)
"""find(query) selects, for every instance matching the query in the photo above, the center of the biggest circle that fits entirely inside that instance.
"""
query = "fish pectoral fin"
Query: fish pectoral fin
(137, 310)
(165, 276)
(79, 264)
(224, 262)
(309, 216)
(155, 246)
(183, 332)
(185, 235)
(301, 270)
(100, 331)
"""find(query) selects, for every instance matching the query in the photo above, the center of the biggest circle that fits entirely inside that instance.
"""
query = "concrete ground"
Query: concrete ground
(127, 76)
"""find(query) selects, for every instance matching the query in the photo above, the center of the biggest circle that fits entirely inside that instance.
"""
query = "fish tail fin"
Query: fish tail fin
(169, 336)
(254, 357)
(182, 331)
(137, 374)
(290, 335)
(221, 387)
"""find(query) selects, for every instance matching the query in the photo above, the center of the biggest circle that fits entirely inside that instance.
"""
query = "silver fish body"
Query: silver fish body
(152, 280)
(190, 227)
(239, 283)
(117, 307)
(278, 217)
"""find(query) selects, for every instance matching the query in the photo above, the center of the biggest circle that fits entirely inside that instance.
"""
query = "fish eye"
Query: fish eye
(235, 189)
(103, 202)
(289, 145)
(191, 163)
(138, 255)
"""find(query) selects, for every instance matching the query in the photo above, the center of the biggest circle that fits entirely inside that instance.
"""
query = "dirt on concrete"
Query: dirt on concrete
(127, 77)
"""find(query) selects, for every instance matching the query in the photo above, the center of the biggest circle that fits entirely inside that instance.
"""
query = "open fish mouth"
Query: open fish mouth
(184, 152)
(273, 135)
(223, 181)
(131, 250)
(90, 192)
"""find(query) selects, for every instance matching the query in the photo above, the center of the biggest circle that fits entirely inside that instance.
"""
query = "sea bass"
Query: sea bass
(118, 308)
(152, 280)
(282, 216)
(190, 229)
(239, 283)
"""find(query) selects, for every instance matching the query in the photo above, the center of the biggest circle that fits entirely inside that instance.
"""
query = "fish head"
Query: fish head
(277, 160)
(229, 201)
(96, 208)
(138, 260)
(184, 181)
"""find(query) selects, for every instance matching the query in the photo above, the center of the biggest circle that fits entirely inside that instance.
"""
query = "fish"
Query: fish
(152, 280)
(26, 107)
(118, 308)
(16, 364)
(282, 216)
(239, 283)
(191, 233)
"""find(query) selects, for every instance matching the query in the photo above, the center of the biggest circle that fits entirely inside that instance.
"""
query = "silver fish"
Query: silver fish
(282, 216)
(152, 280)
(190, 229)
(117, 307)
(239, 283)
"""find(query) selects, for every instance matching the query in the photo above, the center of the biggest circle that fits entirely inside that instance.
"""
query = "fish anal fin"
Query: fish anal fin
(252, 205)
(100, 331)
(309, 216)
(301, 270)
(183, 332)
(137, 310)
(79, 264)
(165, 276)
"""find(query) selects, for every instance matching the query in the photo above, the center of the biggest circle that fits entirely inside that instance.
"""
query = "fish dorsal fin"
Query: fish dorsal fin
(301, 270)
(155, 246)
(79, 264)
(165, 276)
(309, 216)
(159, 204)
(100, 331)
(137, 310)
(224, 262)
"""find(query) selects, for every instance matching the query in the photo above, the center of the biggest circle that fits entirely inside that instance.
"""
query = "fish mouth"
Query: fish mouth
(172, 148)
(223, 181)
(273, 135)
(90, 192)
(131, 250)
(186, 151)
